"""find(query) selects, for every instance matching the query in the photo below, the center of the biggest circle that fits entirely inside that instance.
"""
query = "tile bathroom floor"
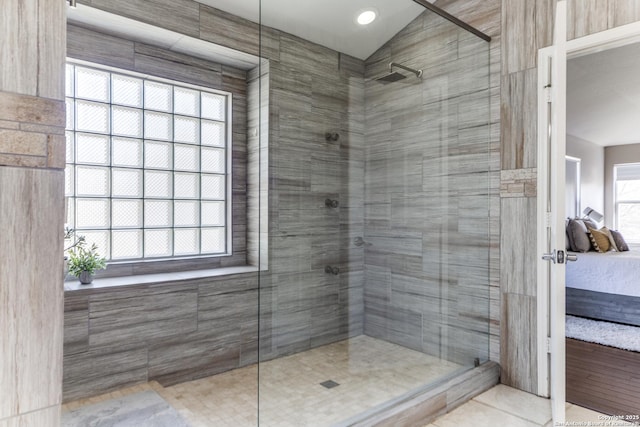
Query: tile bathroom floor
(508, 407)
(368, 371)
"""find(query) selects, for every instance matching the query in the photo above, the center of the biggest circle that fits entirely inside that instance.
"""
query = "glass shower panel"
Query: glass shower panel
(375, 280)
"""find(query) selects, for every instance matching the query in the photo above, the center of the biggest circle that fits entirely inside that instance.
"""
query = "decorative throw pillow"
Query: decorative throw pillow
(614, 246)
(568, 235)
(590, 224)
(600, 239)
(578, 236)
(621, 245)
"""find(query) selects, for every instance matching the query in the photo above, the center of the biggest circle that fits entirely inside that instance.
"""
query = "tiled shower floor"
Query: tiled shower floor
(369, 372)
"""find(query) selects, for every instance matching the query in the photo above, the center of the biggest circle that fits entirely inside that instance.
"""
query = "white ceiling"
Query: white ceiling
(330, 23)
(603, 96)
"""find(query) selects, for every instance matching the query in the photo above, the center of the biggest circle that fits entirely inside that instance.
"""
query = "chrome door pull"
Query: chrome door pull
(572, 257)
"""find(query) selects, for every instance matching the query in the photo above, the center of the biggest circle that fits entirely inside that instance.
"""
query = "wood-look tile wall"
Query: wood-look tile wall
(31, 211)
(313, 90)
(169, 332)
(427, 193)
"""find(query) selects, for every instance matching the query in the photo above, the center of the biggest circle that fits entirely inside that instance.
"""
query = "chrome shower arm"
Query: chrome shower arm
(418, 73)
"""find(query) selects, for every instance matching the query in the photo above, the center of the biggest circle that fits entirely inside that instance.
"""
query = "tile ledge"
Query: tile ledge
(145, 279)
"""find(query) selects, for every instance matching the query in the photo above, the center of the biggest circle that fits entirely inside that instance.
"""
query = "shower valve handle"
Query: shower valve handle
(332, 270)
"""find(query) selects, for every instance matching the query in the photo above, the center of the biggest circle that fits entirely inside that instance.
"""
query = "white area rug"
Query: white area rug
(145, 409)
(605, 333)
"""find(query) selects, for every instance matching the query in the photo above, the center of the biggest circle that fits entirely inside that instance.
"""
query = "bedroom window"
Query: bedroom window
(148, 164)
(627, 200)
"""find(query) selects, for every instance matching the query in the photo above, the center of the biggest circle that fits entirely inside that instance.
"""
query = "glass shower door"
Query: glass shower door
(377, 285)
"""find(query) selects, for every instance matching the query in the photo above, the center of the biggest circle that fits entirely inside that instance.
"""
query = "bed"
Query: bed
(605, 286)
(602, 286)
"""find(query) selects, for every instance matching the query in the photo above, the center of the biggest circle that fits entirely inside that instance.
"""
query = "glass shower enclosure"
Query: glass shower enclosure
(375, 214)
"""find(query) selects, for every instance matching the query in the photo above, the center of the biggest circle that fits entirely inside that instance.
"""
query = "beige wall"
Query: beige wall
(31, 210)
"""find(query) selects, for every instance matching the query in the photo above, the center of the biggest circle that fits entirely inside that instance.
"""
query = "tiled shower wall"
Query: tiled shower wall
(169, 332)
(427, 193)
(314, 91)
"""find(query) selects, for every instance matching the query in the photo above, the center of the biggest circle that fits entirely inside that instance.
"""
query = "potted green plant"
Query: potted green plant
(73, 241)
(84, 262)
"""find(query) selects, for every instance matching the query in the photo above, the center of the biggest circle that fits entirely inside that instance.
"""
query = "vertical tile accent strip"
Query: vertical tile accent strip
(19, 54)
(51, 49)
(518, 119)
(31, 291)
(518, 342)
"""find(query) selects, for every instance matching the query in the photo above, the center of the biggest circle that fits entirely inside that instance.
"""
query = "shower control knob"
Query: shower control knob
(332, 270)
(330, 203)
(332, 136)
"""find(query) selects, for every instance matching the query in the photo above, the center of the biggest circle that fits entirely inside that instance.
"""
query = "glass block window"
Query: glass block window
(147, 164)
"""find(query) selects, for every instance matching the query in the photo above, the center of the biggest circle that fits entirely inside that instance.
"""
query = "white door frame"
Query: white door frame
(604, 40)
(552, 65)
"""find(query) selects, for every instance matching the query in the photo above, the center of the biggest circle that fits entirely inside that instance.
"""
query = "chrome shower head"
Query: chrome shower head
(395, 76)
(392, 77)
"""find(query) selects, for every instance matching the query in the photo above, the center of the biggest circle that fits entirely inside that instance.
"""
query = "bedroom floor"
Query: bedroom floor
(604, 378)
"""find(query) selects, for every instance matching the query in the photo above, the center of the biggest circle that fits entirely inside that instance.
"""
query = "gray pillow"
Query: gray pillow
(568, 235)
(578, 236)
(621, 245)
(590, 224)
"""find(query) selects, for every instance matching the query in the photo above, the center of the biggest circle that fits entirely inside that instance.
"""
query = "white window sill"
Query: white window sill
(152, 279)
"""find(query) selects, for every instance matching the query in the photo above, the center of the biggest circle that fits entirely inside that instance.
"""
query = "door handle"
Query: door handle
(559, 257)
(551, 256)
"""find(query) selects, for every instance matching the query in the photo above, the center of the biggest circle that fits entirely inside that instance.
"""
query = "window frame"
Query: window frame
(176, 262)
(617, 201)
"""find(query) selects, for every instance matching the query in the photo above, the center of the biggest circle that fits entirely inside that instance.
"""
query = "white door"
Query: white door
(552, 64)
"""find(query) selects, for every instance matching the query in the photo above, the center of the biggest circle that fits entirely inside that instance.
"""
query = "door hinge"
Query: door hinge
(548, 344)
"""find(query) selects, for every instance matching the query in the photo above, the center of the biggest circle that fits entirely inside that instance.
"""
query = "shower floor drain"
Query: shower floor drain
(329, 384)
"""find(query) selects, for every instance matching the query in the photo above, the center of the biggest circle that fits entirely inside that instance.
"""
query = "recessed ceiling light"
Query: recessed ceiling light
(366, 17)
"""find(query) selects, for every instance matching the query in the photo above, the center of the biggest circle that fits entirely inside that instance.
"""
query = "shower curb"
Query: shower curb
(427, 405)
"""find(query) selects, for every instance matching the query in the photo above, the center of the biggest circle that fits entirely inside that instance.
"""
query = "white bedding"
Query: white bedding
(611, 272)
